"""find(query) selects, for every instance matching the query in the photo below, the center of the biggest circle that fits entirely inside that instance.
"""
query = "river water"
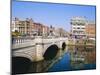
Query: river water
(76, 58)
(71, 59)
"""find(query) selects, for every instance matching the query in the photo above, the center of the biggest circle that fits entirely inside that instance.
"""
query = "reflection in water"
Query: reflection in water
(82, 56)
(44, 65)
(37, 67)
(76, 58)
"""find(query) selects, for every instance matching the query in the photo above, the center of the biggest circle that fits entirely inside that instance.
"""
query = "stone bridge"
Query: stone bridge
(39, 48)
(27, 51)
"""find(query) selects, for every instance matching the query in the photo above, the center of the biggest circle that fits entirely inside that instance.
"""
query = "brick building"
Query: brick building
(90, 30)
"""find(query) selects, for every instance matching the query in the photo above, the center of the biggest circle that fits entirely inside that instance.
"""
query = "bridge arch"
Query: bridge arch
(20, 65)
(51, 52)
(23, 54)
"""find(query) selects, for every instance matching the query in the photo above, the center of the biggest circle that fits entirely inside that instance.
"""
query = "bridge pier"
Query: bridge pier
(39, 51)
(39, 48)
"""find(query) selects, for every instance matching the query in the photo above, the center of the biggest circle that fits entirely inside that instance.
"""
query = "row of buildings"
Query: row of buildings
(82, 28)
(28, 27)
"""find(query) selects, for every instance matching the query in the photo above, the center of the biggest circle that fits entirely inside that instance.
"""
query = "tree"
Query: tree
(16, 33)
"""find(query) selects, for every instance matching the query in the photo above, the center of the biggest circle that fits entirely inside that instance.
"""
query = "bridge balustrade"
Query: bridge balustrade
(20, 40)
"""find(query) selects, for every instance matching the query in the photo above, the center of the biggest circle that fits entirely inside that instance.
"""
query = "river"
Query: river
(76, 58)
(71, 59)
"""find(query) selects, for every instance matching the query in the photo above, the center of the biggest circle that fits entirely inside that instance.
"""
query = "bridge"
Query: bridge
(36, 49)
(27, 50)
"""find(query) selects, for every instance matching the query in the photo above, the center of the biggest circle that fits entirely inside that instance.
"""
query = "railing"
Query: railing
(19, 40)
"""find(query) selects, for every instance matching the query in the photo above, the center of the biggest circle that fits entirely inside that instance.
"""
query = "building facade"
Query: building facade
(29, 28)
(90, 30)
(13, 26)
(46, 30)
(24, 27)
(78, 25)
(39, 29)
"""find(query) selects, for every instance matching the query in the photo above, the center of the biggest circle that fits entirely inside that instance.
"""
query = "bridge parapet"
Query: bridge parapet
(20, 40)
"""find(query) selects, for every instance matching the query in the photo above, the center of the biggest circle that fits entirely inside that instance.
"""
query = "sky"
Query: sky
(57, 15)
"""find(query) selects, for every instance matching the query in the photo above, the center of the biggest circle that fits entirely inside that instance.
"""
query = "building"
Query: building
(13, 26)
(46, 30)
(24, 27)
(28, 27)
(78, 25)
(90, 29)
(38, 28)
